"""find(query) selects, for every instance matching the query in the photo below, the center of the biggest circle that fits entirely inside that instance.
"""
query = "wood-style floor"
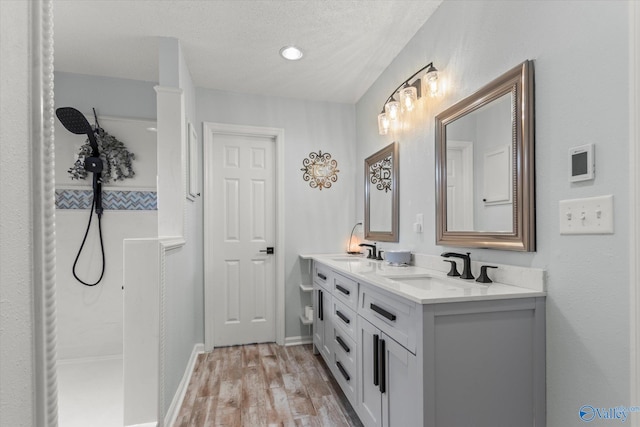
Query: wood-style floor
(264, 385)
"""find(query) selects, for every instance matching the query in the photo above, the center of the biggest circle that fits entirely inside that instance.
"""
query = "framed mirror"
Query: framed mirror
(485, 180)
(381, 187)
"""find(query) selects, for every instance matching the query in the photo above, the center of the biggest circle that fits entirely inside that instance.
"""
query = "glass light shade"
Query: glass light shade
(408, 98)
(431, 78)
(383, 124)
(392, 110)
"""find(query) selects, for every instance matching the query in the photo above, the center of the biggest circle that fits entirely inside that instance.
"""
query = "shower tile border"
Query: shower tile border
(111, 200)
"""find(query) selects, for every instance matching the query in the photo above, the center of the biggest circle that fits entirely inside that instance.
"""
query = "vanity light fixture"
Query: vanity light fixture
(291, 53)
(407, 97)
(431, 77)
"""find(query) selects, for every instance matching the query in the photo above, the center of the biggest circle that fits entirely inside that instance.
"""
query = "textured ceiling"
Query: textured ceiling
(233, 44)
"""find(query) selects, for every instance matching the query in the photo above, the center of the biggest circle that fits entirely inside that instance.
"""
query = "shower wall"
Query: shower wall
(90, 319)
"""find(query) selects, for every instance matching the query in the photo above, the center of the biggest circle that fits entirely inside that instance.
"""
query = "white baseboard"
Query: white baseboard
(176, 403)
(307, 339)
(144, 425)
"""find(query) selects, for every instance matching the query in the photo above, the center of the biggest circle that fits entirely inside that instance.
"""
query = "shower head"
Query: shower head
(75, 122)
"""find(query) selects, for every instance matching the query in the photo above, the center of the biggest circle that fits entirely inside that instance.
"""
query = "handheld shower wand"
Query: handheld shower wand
(75, 122)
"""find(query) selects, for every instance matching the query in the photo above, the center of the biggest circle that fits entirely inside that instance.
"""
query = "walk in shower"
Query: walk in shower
(90, 318)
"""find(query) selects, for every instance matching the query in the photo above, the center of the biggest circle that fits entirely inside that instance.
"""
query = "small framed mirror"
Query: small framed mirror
(485, 180)
(381, 187)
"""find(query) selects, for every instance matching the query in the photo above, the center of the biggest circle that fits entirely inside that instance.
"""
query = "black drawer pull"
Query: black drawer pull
(381, 311)
(343, 290)
(343, 371)
(320, 306)
(322, 276)
(383, 367)
(343, 317)
(344, 346)
(376, 372)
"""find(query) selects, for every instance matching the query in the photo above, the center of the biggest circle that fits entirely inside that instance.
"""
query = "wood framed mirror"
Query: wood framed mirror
(381, 195)
(485, 175)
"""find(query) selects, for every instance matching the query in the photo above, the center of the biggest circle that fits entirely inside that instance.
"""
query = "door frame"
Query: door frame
(209, 129)
(634, 203)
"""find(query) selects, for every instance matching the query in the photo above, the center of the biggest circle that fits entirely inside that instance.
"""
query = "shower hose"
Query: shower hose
(93, 203)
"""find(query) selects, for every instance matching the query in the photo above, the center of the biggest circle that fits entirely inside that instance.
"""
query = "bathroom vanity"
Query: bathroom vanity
(410, 346)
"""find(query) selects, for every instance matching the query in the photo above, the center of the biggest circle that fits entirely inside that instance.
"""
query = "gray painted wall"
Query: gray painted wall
(184, 309)
(109, 95)
(316, 221)
(588, 283)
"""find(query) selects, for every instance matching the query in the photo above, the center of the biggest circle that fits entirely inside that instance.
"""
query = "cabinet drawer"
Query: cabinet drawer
(322, 275)
(344, 318)
(345, 347)
(345, 374)
(346, 290)
(393, 315)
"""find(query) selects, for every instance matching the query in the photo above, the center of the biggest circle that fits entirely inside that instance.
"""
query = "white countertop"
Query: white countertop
(418, 284)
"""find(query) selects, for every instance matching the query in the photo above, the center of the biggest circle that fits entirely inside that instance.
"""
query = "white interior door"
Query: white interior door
(459, 186)
(242, 170)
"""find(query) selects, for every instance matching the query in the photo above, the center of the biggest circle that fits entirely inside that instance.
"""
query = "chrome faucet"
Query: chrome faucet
(466, 271)
(372, 252)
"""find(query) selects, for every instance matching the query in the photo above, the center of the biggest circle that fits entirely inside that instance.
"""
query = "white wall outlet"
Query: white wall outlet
(593, 215)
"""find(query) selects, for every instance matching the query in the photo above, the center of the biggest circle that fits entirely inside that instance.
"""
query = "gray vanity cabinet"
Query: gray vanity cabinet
(469, 362)
(388, 386)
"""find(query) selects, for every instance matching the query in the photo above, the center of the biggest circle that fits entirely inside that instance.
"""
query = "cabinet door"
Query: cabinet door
(318, 322)
(400, 385)
(369, 400)
(327, 327)
(322, 325)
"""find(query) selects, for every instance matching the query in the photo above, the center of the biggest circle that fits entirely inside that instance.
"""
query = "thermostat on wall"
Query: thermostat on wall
(581, 163)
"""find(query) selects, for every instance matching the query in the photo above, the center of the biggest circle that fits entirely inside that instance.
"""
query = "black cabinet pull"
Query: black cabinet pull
(344, 346)
(381, 311)
(322, 276)
(343, 371)
(376, 378)
(383, 374)
(320, 306)
(343, 317)
(343, 290)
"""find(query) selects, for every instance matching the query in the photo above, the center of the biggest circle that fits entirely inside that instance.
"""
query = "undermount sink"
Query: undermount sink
(440, 283)
(348, 259)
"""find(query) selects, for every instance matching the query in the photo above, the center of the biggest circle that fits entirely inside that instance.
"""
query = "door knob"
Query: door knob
(269, 250)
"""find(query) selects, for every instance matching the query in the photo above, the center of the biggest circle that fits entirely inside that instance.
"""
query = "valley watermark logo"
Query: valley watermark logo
(589, 413)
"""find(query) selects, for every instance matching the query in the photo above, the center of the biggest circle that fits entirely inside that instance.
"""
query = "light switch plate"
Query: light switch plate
(593, 215)
(418, 226)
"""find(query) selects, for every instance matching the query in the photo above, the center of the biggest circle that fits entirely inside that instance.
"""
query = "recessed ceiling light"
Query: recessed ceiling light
(291, 53)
